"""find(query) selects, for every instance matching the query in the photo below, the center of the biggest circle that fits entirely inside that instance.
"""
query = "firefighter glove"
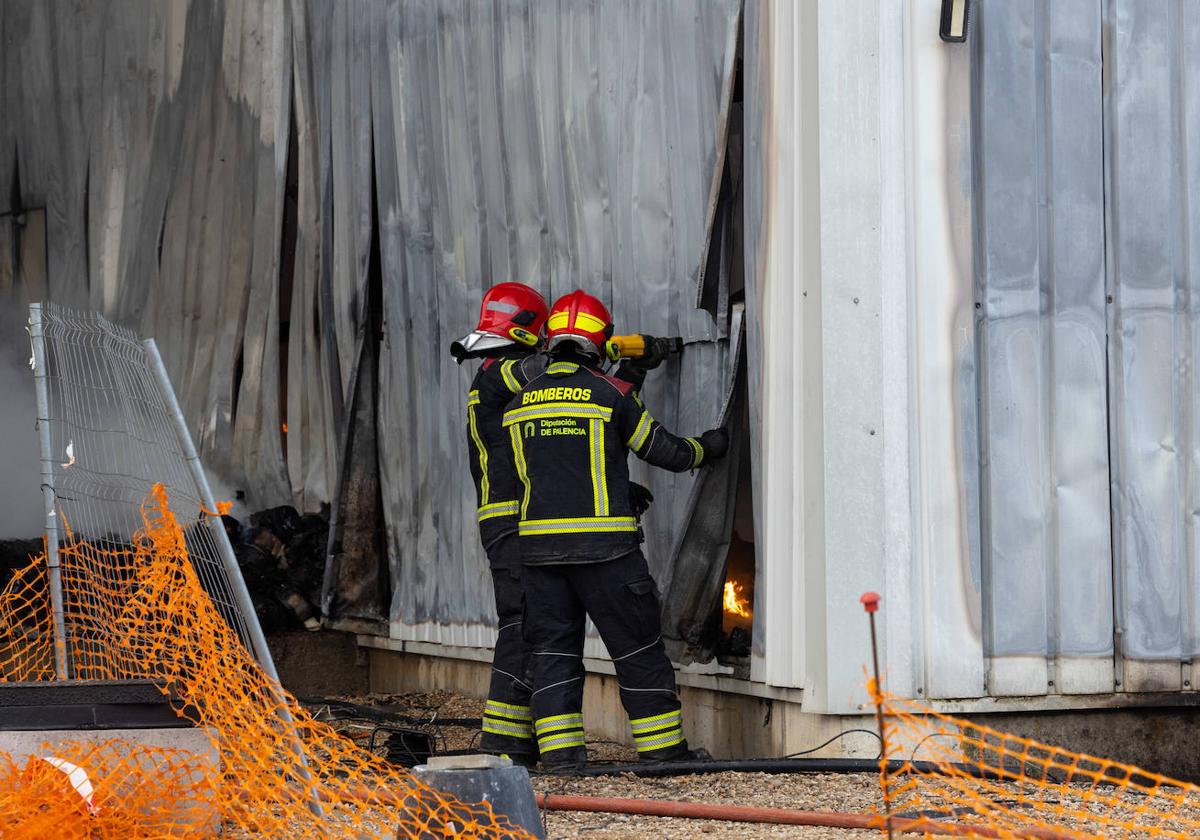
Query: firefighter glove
(639, 498)
(715, 443)
(657, 350)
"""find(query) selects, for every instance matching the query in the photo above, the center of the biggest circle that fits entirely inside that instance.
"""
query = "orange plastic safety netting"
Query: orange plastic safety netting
(141, 612)
(958, 776)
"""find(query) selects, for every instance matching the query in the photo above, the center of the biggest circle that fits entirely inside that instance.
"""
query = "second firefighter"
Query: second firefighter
(571, 429)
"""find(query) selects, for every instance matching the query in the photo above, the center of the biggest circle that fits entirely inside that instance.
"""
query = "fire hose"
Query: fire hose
(782, 816)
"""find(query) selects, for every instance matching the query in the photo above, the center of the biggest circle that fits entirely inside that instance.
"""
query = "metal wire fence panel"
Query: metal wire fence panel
(113, 434)
(267, 759)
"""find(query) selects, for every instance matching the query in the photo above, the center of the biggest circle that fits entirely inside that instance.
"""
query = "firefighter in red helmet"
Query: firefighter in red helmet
(571, 429)
(507, 338)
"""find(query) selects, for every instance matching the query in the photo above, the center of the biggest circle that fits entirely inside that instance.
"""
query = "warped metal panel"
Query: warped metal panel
(1154, 276)
(151, 133)
(563, 145)
(1039, 207)
(213, 173)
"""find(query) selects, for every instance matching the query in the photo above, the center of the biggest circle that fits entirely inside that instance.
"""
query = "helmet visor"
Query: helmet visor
(477, 342)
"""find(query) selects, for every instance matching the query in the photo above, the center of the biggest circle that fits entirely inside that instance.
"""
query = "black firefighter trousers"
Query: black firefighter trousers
(507, 720)
(622, 601)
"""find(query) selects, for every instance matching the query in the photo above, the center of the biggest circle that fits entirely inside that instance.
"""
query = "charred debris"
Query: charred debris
(282, 557)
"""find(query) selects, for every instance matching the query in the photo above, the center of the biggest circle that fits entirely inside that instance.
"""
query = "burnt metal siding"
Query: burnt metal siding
(1087, 173)
(564, 145)
(561, 144)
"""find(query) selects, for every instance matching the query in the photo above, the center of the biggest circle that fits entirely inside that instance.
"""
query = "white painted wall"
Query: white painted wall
(864, 276)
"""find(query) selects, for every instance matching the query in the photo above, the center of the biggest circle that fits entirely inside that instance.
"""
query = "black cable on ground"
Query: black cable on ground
(842, 734)
(346, 710)
(777, 765)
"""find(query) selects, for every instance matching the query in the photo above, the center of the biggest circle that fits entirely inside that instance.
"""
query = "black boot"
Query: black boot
(679, 752)
(565, 760)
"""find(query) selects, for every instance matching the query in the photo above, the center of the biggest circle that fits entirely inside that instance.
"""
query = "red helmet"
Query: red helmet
(582, 319)
(510, 313)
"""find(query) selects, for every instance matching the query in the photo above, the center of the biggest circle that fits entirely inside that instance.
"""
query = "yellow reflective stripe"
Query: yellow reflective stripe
(582, 525)
(590, 323)
(557, 409)
(473, 398)
(697, 451)
(499, 509)
(658, 742)
(547, 723)
(649, 724)
(507, 710)
(484, 485)
(598, 468)
(599, 432)
(507, 375)
(665, 735)
(585, 520)
(640, 432)
(560, 742)
(558, 320)
(513, 730)
(519, 460)
(562, 367)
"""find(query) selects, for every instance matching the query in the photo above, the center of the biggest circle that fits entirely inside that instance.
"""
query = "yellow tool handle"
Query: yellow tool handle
(625, 347)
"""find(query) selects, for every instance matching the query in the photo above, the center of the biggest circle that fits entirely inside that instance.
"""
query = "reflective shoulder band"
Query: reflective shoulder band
(640, 432)
(506, 371)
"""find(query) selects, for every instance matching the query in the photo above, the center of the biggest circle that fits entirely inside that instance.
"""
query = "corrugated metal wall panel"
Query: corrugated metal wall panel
(1088, 124)
(1039, 206)
(1154, 275)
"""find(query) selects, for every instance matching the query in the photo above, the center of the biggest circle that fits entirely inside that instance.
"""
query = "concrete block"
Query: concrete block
(507, 789)
(479, 761)
(197, 814)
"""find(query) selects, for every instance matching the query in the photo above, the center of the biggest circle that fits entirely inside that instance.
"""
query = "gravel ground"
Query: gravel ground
(858, 793)
(846, 793)
(1097, 811)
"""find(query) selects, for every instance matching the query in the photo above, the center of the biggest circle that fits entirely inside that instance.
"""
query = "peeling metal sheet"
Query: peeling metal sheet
(560, 144)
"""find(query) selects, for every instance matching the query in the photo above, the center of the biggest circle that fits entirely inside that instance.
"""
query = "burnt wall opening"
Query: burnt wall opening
(357, 592)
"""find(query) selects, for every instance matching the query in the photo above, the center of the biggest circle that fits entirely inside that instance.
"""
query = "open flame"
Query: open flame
(735, 604)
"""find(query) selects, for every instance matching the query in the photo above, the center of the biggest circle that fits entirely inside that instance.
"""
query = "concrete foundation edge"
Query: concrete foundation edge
(742, 726)
(728, 725)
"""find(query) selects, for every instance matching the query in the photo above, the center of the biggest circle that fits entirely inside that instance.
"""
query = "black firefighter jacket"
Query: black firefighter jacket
(571, 429)
(497, 491)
